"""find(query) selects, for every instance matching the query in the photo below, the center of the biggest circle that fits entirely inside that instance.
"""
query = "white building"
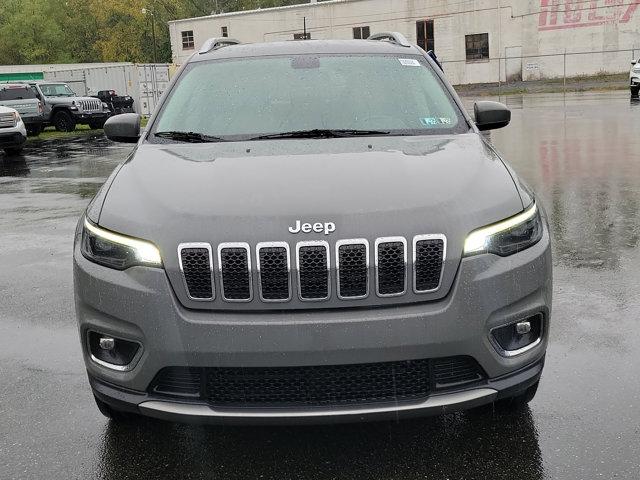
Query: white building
(477, 40)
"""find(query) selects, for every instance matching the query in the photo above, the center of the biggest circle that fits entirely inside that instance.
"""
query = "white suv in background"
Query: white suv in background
(634, 78)
(13, 133)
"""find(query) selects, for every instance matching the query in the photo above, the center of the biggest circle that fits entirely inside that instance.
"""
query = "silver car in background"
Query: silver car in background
(13, 132)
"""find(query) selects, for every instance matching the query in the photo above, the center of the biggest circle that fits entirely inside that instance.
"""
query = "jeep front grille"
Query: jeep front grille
(313, 274)
(90, 105)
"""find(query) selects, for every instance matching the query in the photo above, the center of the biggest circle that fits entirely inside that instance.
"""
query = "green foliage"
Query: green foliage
(68, 31)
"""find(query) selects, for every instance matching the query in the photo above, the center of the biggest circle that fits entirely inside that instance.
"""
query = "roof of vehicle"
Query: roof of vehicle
(14, 85)
(301, 47)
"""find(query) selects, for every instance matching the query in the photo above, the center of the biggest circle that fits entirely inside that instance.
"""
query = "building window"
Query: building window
(477, 47)
(361, 33)
(187, 40)
(302, 36)
(225, 31)
(424, 35)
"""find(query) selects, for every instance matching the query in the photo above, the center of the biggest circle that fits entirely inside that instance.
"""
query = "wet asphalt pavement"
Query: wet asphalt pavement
(581, 153)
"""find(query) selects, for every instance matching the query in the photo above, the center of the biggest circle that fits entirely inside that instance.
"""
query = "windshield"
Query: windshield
(248, 98)
(56, 90)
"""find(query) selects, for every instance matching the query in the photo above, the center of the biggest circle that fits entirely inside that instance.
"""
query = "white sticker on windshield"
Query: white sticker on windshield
(409, 62)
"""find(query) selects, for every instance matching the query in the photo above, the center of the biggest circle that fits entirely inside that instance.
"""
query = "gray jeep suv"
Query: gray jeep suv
(311, 231)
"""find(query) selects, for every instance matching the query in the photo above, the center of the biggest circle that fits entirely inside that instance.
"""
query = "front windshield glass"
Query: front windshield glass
(245, 98)
(56, 90)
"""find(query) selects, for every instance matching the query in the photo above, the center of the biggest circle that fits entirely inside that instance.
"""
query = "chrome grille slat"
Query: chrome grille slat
(391, 266)
(234, 267)
(196, 266)
(352, 268)
(7, 120)
(90, 105)
(274, 271)
(429, 254)
(313, 266)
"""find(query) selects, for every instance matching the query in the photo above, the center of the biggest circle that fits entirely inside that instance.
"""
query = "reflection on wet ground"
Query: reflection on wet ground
(580, 153)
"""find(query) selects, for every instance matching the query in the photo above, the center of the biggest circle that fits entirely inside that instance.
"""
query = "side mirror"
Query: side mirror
(491, 115)
(123, 128)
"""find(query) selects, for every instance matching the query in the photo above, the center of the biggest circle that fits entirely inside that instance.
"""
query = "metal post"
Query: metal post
(564, 74)
(304, 28)
(153, 34)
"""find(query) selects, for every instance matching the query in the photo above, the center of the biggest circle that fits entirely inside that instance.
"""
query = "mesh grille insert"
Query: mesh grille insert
(274, 273)
(236, 278)
(318, 385)
(428, 264)
(196, 267)
(313, 272)
(353, 273)
(391, 268)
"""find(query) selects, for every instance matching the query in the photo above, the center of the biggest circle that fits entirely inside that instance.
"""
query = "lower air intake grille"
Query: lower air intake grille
(429, 255)
(179, 381)
(196, 268)
(234, 268)
(313, 272)
(325, 385)
(391, 268)
(274, 273)
(353, 271)
(453, 371)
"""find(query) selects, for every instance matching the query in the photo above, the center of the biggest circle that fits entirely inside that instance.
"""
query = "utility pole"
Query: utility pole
(146, 11)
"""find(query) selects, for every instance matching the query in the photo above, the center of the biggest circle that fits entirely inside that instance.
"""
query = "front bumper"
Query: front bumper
(139, 304)
(81, 116)
(14, 138)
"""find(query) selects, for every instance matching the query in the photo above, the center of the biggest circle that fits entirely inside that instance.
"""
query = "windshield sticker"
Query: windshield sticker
(409, 62)
(435, 121)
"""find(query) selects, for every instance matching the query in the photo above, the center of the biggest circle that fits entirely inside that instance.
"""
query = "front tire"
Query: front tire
(635, 91)
(114, 415)
(64, 121)
(34, 130)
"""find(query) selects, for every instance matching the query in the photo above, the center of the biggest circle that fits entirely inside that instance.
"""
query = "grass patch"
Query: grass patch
(50, 133)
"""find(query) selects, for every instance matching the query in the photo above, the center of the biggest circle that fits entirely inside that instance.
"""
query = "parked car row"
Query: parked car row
(634, 78)
(44, 103)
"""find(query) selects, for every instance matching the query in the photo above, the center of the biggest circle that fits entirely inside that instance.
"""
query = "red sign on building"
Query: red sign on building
(559, 14)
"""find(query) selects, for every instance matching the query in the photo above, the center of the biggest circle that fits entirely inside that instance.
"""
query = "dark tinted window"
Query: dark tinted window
(477, 47)
(16, 93)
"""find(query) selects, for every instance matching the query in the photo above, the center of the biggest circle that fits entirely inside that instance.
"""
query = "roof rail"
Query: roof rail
(214, 43)
(393, 37)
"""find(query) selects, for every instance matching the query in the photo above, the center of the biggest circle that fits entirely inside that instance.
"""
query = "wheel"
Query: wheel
(95, 124)
(64, 121)
(635, 91)
(34, 130)
(13, 150)
(114, 415)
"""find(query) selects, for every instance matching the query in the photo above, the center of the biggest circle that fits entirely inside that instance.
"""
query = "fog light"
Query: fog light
(518, 337)
(112, 352)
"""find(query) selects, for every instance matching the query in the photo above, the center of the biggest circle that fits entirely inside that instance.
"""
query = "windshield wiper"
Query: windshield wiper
(322, 133)
(193, 137)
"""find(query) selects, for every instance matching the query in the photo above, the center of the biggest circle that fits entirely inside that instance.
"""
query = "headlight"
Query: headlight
(16, 117)
(117, 251)
(105, 106)
(508, 236)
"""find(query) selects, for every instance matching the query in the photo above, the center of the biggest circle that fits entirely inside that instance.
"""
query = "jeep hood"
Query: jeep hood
(252, 192)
